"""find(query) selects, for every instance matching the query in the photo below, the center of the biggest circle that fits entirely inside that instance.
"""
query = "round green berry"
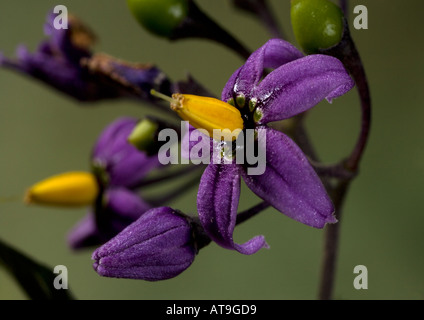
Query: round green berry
(160, 17)
(317, 24)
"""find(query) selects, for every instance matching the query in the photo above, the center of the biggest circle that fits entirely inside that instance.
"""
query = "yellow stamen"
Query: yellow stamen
(72, 189)
(206, 113)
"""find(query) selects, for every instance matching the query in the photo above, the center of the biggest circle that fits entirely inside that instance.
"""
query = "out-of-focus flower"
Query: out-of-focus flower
(110, 190)
(65, 62)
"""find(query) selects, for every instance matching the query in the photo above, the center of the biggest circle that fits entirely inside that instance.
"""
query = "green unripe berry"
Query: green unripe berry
(143, 135)
(317, 24)
(160, 17)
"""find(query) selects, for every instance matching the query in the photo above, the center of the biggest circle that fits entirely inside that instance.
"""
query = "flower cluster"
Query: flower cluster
(145, 239)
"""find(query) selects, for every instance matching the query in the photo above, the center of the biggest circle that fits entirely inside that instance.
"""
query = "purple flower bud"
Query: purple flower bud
(158, 246)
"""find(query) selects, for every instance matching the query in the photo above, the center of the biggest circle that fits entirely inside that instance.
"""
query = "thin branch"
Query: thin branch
(247, 214)
(168, 176)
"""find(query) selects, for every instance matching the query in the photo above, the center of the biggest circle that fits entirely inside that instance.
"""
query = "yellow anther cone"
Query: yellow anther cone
(72, 189)
(207, 113)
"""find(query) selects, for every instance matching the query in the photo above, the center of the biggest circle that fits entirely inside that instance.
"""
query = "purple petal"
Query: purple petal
(62, 41)
(194, 138)
(299, 85)
(157, 246)
(228, 91)
(290, 184)
(125, 165)
(217, 202)
(110, 134)
(273, 54)
(85, 234)
(59, 73)
(131, 167)
(120, 208)
(126, 204)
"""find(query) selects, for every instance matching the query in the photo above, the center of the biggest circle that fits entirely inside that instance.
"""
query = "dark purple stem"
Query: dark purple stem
(331, 244)
(348, 54)
(261, 9)
(178, 191)
(344, 5)
(358, 73)
(246, 215)
(168, 176)
(199, 25)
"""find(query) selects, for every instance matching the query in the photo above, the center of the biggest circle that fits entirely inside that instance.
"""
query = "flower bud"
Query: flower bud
(158, 246)
(317, 24)
(71, 189)
(145, 136)
(160, 17)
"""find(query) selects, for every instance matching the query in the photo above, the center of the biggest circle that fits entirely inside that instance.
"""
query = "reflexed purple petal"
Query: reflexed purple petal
(299, 85)
(110, 133)
(290, 184)
(217, 203)
(273, 54)
(157, 246)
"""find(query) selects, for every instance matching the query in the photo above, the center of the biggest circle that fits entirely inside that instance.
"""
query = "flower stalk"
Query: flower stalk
(262, 10)
(346, 52)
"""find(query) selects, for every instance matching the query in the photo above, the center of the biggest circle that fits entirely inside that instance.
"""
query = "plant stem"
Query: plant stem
(348, 54)
(249, 213)
(301, 137)
(358, 73)
(168, 176)
(261, 9)
(331, 243)
(199, 25)
(181, 189)
(344, 5)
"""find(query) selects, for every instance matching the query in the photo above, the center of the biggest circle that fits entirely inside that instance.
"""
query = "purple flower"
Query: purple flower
(158, 246)
(119, 168)
(65, 62)
(289, 183)
(117, 162)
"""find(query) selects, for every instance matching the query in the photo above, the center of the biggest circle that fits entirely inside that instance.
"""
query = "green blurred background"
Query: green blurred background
(43, 133)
